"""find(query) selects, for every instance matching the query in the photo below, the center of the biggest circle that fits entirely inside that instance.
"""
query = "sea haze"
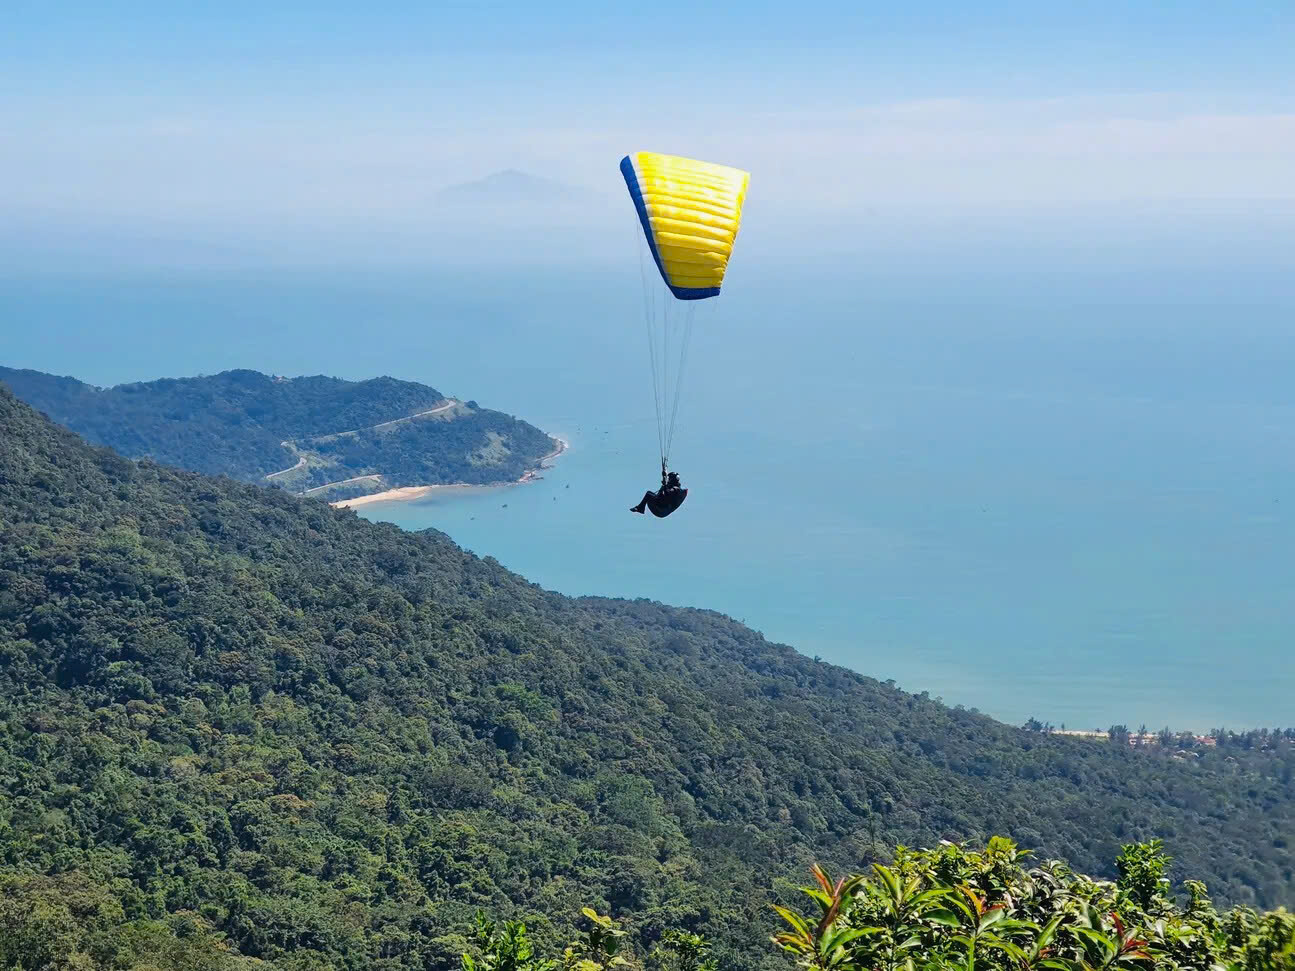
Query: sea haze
(1062, 491)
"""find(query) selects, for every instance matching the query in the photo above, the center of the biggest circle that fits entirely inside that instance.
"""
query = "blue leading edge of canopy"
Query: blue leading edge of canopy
(632, 183)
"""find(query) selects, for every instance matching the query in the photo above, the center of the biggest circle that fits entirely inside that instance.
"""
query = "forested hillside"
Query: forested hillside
(298, 433)
(227, 713)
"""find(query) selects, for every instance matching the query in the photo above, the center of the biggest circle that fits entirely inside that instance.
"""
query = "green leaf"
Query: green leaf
(1006, 947)
(1097, 937)
(823, 899)
(888, 879)
(930, 896)
(1047, 933)
(943, 917)
(795, 921)
(1010, 925)
(991, 917)
(963, 906)
(842, 937)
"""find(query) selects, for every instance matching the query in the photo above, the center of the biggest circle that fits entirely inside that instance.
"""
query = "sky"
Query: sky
(293, 127)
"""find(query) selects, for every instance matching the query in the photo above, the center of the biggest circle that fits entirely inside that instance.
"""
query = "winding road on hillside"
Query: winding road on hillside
(446, 406)
(292, 468)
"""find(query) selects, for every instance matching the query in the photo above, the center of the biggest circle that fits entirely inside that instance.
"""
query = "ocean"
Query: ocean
(1066, 494)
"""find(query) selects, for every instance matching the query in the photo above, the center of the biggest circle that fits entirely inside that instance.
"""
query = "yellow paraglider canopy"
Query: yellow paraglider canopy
(690, 212)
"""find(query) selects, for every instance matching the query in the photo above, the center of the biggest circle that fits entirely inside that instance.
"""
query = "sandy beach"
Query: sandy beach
(405, 493)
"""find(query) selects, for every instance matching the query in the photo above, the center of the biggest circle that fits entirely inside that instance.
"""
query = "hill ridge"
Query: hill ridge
(311, 433)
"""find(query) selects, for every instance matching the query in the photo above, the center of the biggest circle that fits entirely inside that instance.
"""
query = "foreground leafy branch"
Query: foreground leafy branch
(958, 909)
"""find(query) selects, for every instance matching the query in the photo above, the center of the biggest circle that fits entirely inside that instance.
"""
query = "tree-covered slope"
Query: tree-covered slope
(331, 741)
(299, 433)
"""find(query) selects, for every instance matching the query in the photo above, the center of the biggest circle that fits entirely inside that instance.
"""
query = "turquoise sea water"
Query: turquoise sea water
(1066, 495)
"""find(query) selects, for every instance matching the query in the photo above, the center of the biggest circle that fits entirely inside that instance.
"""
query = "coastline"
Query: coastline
(406, 493)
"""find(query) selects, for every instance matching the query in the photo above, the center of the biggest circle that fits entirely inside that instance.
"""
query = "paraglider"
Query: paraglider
(666, 499)
(689, 213)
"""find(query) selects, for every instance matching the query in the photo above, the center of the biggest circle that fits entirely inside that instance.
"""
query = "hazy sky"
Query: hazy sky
(268, 121)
